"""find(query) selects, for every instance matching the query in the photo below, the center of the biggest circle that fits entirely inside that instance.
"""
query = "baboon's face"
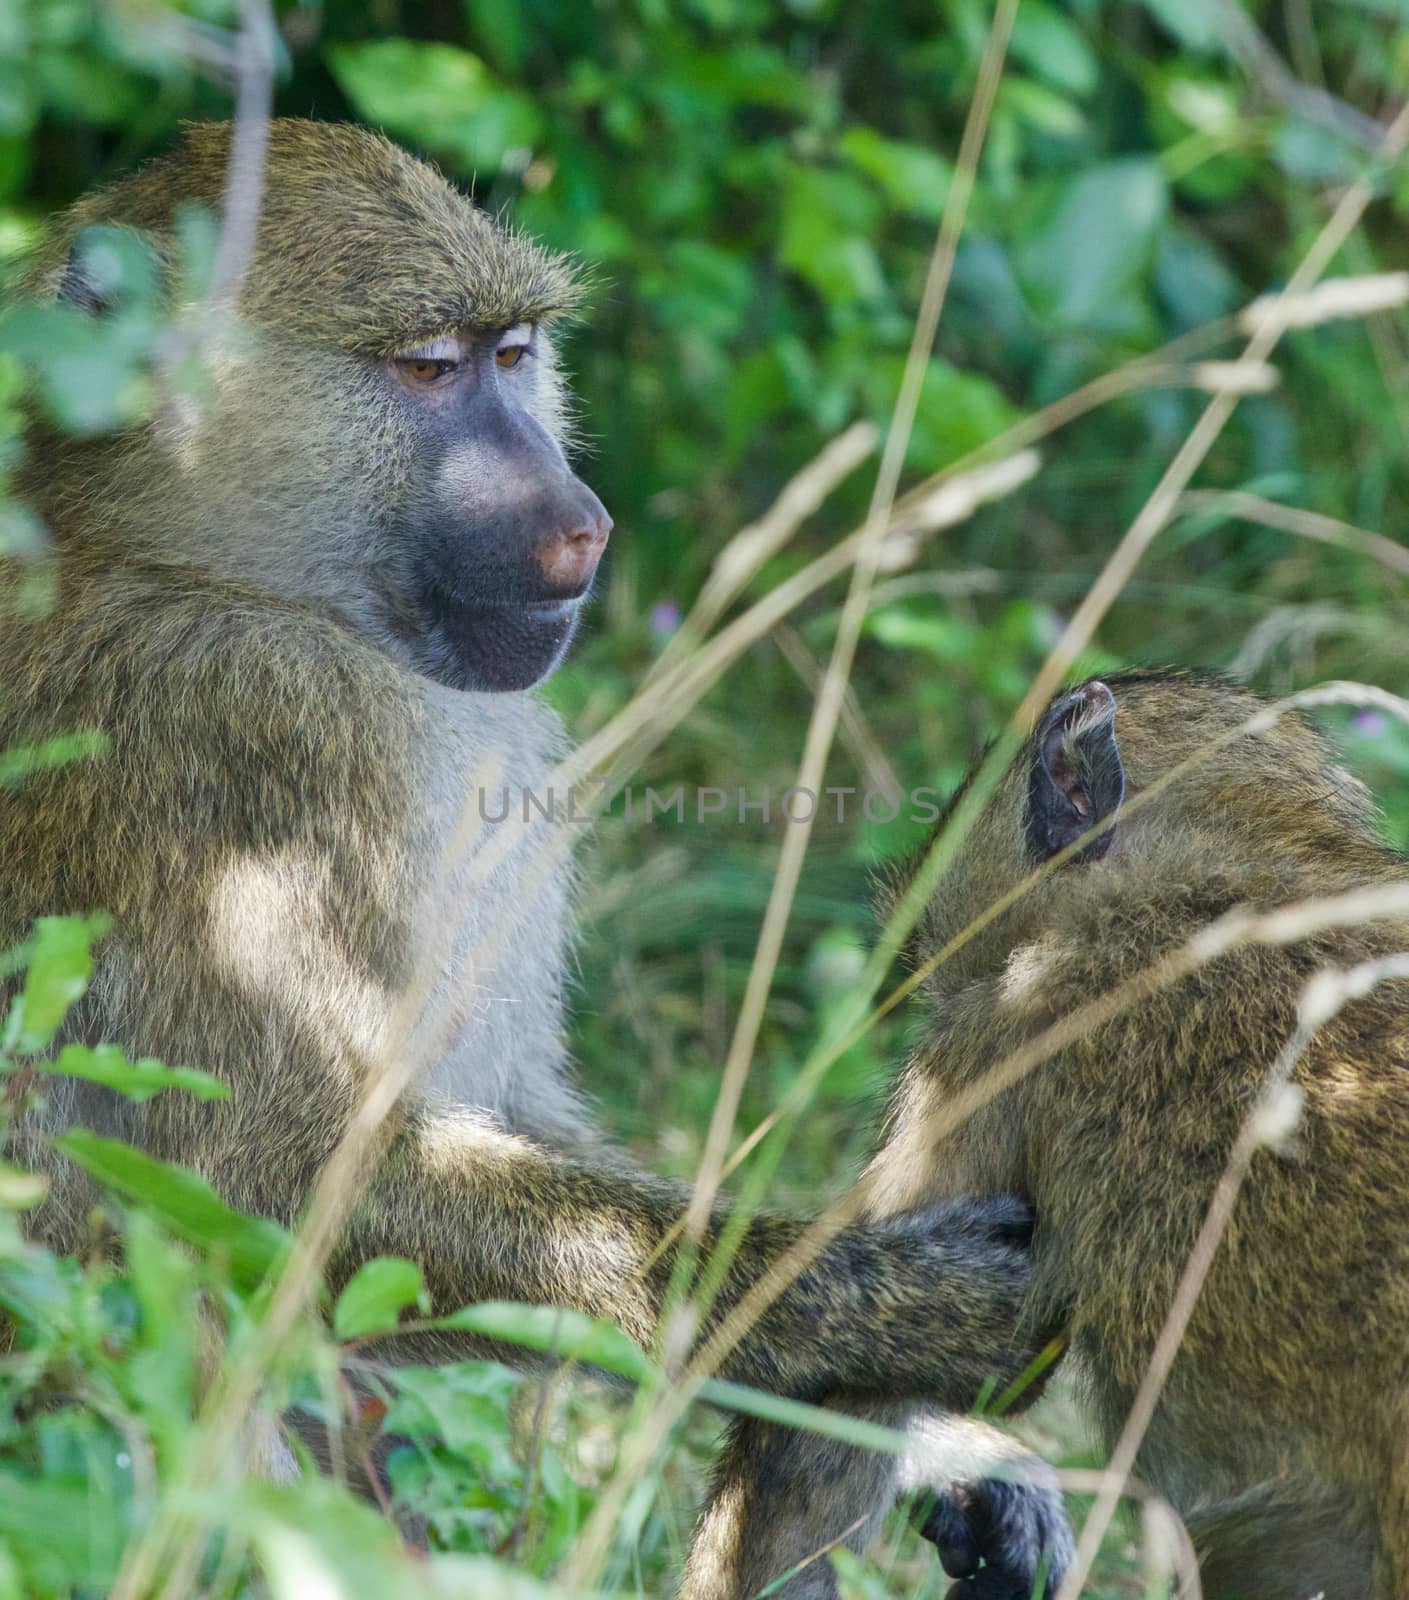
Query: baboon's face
(499, 539)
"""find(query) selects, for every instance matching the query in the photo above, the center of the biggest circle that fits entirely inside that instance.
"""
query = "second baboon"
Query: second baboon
(1282, 1436)
(305, 606)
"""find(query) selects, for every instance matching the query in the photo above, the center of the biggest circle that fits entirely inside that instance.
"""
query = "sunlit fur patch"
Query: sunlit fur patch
(1029, 968)
(269, 930)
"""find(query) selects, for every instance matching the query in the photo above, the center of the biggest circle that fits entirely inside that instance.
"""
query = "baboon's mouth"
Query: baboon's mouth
(553, 610)
(500, 645)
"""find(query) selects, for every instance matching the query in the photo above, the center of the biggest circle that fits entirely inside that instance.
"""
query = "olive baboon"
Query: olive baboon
(1283, 1432)
(294, 607)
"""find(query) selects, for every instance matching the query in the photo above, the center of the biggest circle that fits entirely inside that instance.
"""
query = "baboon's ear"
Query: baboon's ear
(1077, 779)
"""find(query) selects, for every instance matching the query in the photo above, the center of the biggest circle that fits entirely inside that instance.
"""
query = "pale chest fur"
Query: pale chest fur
(496, 917)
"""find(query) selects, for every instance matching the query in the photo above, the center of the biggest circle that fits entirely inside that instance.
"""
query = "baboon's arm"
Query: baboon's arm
(930, 1308)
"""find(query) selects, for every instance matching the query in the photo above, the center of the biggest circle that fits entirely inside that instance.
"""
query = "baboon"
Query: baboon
(1282, 1436)
(301, 604)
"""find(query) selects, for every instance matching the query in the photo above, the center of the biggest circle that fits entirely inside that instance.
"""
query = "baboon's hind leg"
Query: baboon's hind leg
(780, 1499)
(1285, 1551)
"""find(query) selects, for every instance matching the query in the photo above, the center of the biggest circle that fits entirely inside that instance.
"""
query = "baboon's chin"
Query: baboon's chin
(498, 648)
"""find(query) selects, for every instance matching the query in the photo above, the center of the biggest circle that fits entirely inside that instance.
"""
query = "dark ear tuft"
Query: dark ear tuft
(1077, 779)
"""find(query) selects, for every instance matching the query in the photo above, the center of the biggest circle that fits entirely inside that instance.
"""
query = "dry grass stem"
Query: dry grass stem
(1235, 377)
(244, 184)
(855, 729)
(1294, 519)
(1312, 103)
(1330, 301)
(828, 703)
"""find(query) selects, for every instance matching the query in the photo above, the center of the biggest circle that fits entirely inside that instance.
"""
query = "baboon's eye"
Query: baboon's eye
(425, 369)
(514, 346)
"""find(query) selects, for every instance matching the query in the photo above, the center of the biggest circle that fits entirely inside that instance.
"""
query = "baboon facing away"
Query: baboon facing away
(301, 607)
(1283, 1433)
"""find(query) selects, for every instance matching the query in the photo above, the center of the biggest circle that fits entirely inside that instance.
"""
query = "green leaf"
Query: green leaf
(1054, 49)
(799, 1414)
(501, 26)
(439, 96)
(138, 1080)
(65, 1532)
(571, 1335)
(60, 965)
(183, 1201)
(19, 761)
(1195, 23)
(1099, 240)
(375, 1297)
(825, 235)
(914, 178)
(162, 1371)
(1041, 108)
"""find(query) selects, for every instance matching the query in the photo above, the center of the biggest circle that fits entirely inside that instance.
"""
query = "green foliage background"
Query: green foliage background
(755, 187)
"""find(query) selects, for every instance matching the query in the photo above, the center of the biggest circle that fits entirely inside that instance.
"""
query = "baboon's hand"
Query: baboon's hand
(1001, 1536)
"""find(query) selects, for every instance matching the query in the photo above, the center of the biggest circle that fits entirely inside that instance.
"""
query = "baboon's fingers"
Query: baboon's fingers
(1019, 1531)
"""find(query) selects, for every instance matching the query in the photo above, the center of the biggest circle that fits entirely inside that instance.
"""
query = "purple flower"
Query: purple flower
(1370, 723)
(665, 618)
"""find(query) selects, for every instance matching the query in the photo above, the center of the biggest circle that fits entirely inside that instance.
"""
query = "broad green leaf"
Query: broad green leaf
(799, 1414)
(906, 627)
(502, 27)
(60, 965)
(163, 1368)
(825, 235)
(958, 410)
(64, 1532)
(1099, 240)
(182, 1200)
(1205, 103)
(1197, 24)
(439, 96)
(138, 1080)
(568, 1334)
(1054, 48)
(375, 1297)
(1312, 155)
(1041, 108)
(913, 177)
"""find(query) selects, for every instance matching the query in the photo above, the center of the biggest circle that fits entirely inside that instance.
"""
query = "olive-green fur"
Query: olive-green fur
(1283, 1433)
(276, 822)
(360, 245)
(1288, 1404)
